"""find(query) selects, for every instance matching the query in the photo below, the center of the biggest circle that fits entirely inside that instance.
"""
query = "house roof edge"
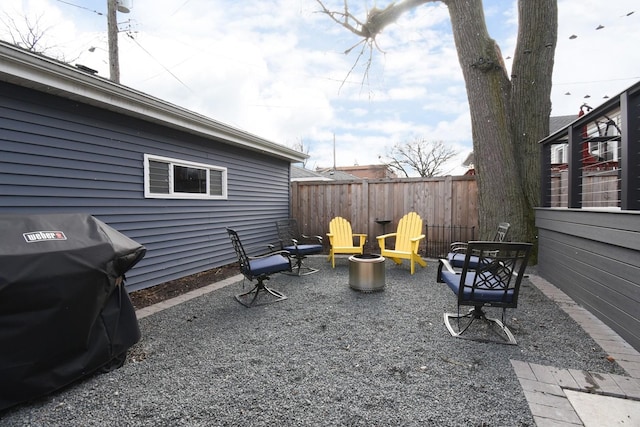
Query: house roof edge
(34, 71)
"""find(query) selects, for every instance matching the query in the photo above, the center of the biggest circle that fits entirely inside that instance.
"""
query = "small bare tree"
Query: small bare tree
(299, 146)
(27, 32)
(419, 155)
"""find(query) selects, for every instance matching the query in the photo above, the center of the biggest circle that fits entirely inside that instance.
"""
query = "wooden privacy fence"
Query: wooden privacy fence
(443, 201)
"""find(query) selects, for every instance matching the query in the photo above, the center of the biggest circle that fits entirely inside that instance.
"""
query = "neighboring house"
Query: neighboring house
(302, 174)
(164, 176)
(468, 163)
(555, 123)
(336, 174)
(600, 143)
(368, 171)
(558, 122)
(589, 219)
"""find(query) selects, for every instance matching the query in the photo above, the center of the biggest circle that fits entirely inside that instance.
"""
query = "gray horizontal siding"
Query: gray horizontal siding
(60, 156)
(594, 257)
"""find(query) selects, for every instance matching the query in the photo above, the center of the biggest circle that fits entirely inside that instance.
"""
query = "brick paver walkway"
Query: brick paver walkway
(544, 385)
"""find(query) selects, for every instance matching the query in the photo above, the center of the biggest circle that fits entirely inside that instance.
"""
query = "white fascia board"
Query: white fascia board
(27, 69)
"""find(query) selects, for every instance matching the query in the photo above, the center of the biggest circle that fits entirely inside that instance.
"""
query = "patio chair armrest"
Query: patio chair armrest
(286, 254)
(417, 238)
(458, 247)
(385, 236)
(362, 238)
(318, 238)
(445, 264)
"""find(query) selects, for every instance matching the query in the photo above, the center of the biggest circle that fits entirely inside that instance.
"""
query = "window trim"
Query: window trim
(184, 163)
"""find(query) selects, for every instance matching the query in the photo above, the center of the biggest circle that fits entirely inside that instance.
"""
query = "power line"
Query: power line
(81, 7)
(179, 7)
(596, 81)
(159, 63)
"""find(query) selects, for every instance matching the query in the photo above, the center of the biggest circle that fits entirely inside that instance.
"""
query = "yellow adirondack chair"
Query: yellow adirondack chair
(341, 239)
(408, 238)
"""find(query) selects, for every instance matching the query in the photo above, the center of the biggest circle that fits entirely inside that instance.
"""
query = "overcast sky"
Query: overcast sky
(278, 68)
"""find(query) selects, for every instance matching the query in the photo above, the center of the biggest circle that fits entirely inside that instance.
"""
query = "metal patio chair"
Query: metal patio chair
(458, 250)
(259, 268)
(493, 282)
(298, 244)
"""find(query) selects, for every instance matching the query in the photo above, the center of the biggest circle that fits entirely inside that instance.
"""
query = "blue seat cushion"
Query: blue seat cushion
(481, 294)
(456, 259)
(271, 264)
(304, 249)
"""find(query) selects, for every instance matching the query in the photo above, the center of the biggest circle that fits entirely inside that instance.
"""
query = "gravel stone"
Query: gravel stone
(328, 355)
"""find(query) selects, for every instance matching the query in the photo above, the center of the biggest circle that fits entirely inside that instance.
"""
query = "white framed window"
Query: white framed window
(605, 151)
(167, 178)
(559, 153)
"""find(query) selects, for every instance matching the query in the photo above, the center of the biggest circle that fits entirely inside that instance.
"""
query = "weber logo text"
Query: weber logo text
(43, 236)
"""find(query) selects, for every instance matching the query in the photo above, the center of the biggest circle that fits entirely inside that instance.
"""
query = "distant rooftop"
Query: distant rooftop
(555, 123)
(302, 174)
(559, 122)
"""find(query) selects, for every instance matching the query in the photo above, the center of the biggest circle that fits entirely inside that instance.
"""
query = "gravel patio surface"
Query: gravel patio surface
(326, 356)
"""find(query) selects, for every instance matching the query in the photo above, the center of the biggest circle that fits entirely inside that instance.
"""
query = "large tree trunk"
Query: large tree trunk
(531, 80)
(508, 116)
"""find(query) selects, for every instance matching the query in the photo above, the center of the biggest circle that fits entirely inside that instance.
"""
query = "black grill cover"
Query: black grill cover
(64, 312)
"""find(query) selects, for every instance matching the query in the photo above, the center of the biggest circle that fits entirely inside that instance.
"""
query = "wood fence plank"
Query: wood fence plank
(441, 201)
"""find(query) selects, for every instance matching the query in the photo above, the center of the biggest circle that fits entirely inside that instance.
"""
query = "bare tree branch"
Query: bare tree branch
(299, 146)
(28, 34)
(365, 75)
(424, 157)
(377, 20)
(342, 18)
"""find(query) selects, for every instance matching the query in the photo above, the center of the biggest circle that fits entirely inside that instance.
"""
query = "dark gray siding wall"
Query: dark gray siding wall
(594, 257)
(57, 155)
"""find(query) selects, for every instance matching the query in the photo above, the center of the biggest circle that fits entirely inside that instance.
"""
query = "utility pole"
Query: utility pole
(114, 6)
(112, 37)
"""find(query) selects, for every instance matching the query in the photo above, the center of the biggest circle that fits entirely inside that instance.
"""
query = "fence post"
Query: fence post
(365, 211)
(448, 200)
(293, 200)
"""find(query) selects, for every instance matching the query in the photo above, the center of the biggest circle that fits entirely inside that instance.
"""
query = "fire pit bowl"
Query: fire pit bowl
(366, 272)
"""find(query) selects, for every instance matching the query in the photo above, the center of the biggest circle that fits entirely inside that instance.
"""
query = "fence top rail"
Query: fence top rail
(386, 180)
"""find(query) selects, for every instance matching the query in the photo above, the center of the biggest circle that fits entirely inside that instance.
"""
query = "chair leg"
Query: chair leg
(331, 258)
(416, 258)
(255, 291)
(473, 314)
(300, 266)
